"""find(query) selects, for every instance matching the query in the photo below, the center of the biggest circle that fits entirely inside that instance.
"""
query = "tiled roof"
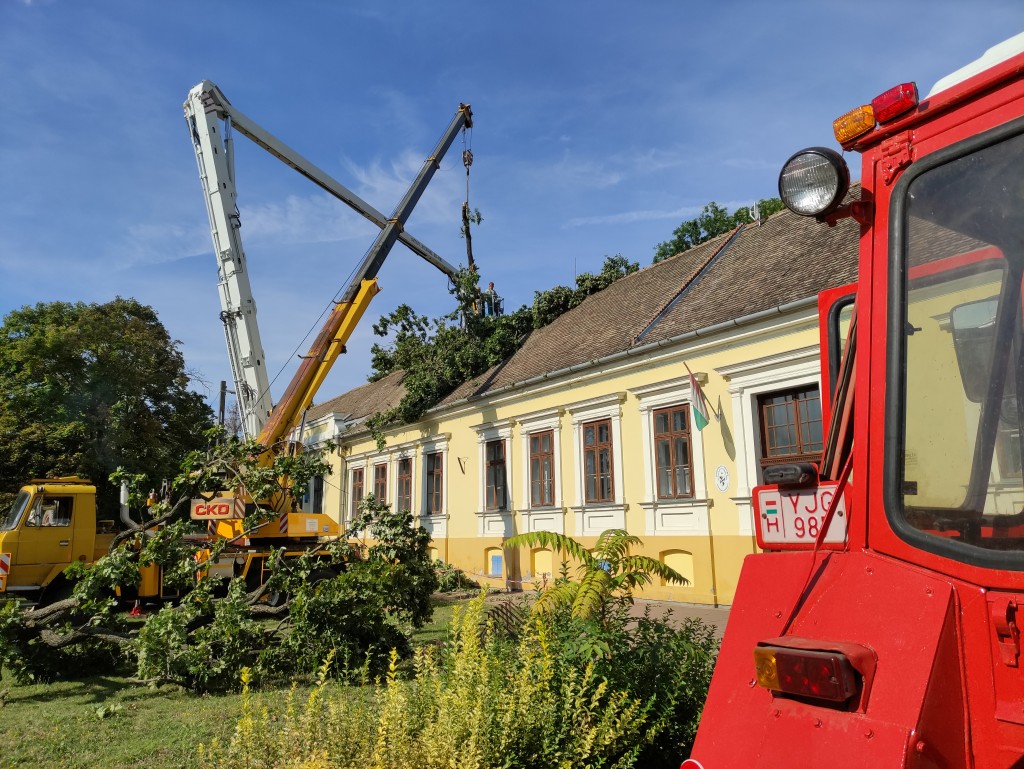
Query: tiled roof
(751, 269)
(602, 324)
(786, 258)
(365, 400)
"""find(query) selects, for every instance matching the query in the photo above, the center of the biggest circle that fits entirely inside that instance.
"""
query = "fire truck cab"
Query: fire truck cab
(889, 637)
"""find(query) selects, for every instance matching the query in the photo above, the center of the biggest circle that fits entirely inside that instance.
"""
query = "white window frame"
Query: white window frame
(310, 495)
(315, 439)
(746, 381)
(591, 519)
(542, 518)
(494, 523)
(672, 517)
(436, 524)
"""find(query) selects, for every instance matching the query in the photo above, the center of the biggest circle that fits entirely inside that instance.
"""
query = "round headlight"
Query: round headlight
(814, 181)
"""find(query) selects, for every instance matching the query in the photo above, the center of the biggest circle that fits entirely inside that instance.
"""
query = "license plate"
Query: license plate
(793, 517)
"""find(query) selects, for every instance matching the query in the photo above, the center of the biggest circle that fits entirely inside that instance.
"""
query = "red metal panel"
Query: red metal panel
(993, 690)
(911, 621)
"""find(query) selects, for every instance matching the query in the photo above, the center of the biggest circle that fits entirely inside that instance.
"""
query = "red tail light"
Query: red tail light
(820, 675)
(895, 102)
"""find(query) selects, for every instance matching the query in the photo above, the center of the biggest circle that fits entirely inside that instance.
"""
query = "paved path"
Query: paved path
(713, 615)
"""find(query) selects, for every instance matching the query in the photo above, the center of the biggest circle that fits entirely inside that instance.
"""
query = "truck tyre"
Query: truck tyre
(275, 598)
(317, 576)
(321, 575)
(56, 591)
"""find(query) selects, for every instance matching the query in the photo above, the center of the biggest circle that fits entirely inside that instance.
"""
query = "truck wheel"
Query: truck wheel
(56, 592)
(275, 598)
(321, 575)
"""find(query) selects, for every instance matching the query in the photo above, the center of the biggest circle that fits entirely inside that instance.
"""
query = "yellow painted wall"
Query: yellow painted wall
(710, 539)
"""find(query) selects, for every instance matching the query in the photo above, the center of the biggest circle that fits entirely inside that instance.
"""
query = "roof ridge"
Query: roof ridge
(690, 279)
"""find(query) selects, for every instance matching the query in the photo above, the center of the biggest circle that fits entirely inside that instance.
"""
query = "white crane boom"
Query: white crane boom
(214, 157)
(211, 118)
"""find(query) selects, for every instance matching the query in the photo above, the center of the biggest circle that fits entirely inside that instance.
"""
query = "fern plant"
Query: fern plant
(606, 575)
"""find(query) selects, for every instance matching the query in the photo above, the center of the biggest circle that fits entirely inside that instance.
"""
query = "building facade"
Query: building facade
(593, 424)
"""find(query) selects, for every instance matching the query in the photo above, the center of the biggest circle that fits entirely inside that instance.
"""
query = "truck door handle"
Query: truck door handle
(65, 542)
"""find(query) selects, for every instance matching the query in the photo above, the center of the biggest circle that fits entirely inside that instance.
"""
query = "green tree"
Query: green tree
(548, 305)
(606, 575)
(437, 355)
(713, 220)
(88, 388)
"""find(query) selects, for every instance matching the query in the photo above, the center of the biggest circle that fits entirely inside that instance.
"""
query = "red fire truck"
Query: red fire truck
(878, 626)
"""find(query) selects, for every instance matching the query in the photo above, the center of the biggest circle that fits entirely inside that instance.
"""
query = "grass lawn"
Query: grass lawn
(108, 722)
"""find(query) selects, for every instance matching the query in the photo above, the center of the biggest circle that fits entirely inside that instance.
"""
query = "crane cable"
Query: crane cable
(467, 161)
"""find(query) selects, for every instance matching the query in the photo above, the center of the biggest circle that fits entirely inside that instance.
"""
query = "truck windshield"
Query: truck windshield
(954, 473)
(13, 514)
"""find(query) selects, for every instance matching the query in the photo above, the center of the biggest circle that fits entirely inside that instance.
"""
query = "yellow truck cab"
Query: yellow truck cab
(50, 524)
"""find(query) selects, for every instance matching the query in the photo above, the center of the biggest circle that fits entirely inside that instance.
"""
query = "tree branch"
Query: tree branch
(58, 641)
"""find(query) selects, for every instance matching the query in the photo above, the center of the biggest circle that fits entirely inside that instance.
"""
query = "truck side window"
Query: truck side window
(56, 511)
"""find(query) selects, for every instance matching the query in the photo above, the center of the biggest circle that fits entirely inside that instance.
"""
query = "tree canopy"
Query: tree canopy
(439, 354)
(88, 388)
(713, 221)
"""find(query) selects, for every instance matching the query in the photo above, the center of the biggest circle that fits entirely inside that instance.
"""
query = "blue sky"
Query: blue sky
(599, 127)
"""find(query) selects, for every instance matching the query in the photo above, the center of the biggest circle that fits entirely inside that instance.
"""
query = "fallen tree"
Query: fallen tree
(352, 600)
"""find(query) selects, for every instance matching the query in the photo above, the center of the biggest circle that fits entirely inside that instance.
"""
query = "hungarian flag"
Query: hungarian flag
(700, 408)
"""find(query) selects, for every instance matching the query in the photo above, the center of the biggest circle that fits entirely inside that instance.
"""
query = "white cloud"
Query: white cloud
(388, 184)
(628, 217)
(578, 174)
(158, 243)
(296, 219)
(300, 219)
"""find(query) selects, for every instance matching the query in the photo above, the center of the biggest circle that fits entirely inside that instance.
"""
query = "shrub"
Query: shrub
(346, 619)
(483, 701)
(345, 602)
(403, 547)
(658, 661)
(451, 578)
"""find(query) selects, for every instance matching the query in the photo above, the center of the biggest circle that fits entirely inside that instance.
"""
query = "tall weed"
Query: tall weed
(483, 701)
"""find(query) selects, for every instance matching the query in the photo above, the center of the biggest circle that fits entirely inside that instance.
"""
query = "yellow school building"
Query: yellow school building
(592, 424)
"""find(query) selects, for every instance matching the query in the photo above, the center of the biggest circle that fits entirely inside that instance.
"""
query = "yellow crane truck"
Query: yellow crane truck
(53, 522)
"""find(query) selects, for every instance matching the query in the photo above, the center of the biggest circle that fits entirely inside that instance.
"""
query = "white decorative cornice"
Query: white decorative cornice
(769, 364)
